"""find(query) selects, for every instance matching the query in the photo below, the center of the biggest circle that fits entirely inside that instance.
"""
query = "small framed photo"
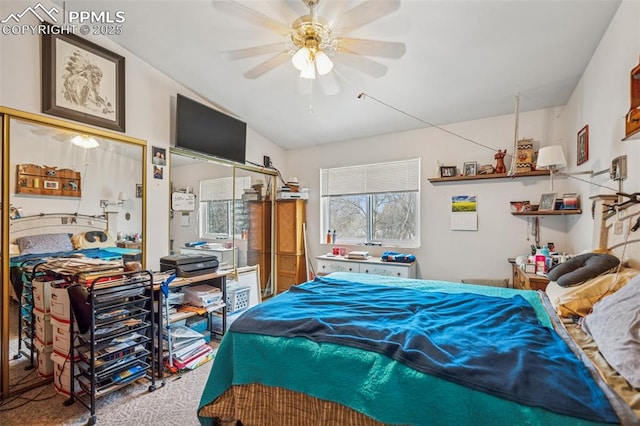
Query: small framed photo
(50, 184)
(138, 190)
(547, 202)
(570, 202)
(520, 206)
(470, 168)
(448, 171)
(583, 145)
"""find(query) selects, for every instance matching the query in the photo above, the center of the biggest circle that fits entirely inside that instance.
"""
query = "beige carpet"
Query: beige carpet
(175, 403)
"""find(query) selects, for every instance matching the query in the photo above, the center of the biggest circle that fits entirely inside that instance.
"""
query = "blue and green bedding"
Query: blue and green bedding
(413, 352)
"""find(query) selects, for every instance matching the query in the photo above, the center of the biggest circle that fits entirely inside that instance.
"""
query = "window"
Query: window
(217, 208)
(372, 203)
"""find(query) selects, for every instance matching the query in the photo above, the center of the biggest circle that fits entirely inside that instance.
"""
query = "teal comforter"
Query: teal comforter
(310, 341)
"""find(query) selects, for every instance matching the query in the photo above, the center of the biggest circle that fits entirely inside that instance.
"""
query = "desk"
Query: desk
(216, 279)
(527, 281)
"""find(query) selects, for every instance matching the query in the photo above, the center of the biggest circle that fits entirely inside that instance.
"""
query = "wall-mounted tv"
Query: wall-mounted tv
(208, 131)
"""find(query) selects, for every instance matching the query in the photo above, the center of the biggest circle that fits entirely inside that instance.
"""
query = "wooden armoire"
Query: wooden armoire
(290, 257)
(259, 239)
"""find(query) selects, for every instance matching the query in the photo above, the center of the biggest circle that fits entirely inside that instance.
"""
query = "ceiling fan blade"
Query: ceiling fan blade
(329, 84)
(252, 51)
(364, 13)
(362, 63)
(267, 65)
(234, 8)
(383, 49)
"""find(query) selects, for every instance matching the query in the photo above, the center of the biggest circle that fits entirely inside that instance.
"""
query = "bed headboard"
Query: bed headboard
(613, 218)
(53, 223)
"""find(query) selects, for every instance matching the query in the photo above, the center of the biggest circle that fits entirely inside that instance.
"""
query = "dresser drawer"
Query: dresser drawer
(324, 267)
(386, 270)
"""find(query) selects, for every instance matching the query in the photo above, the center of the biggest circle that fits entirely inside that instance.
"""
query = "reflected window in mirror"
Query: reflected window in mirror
(221, 208)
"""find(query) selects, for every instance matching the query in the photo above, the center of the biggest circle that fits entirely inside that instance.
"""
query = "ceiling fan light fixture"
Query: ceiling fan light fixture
(309, 71)
(301, 59)
(323, 63)
(85, 141)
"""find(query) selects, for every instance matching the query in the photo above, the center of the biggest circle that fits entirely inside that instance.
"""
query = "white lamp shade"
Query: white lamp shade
(301, 59)
(551, 157)
(309, 71)
(123, 196)
(323, 63)
(84, 141)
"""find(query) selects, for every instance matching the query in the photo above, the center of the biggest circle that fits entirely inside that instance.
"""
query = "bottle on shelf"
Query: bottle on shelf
(329, 238)
(333, 237)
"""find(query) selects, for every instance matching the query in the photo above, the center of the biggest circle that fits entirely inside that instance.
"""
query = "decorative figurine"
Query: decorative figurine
(500, 167)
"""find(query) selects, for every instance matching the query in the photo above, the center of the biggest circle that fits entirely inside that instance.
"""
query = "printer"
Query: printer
(189, 265)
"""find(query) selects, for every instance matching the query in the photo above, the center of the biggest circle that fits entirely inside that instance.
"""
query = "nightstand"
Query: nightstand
(525, 281)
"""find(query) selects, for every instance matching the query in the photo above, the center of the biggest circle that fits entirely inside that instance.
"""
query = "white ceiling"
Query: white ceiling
(464, 60)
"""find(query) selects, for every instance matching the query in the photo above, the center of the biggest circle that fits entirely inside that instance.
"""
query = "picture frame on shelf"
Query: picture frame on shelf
(570, 202)
(547, 201)
(82, 81)
(583, 145)
(470, 168)
(448, 171)
(520, 206)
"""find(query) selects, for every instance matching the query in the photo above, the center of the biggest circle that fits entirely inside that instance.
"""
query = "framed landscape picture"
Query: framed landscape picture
(82, 81)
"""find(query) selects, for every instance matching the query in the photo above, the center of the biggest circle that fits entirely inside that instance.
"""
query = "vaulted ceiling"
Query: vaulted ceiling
(464, 60)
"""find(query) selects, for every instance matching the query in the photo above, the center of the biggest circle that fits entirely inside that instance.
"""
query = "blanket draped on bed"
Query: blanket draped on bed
(494, 345)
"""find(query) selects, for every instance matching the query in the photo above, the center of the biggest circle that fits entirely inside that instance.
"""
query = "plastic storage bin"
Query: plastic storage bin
(237, 298)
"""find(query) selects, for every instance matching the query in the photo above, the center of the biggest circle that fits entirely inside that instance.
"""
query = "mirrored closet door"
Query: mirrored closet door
(64, 179)
(232, 214)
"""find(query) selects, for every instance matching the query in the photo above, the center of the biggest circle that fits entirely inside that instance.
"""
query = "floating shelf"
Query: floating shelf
(490, 176)
(635, 135)
(548, 213)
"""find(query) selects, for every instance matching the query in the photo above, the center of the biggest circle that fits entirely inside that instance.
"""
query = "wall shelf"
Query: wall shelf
(633, 136)
(489, 176)
(548, 213)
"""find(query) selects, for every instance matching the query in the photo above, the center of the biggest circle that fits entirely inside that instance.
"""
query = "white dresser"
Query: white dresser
(374, 265)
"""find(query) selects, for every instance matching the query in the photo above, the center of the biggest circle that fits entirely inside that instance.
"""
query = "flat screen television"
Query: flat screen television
(208, 131)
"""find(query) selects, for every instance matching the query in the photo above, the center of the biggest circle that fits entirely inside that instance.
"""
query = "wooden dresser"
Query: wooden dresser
(290, 258)
(527, 281)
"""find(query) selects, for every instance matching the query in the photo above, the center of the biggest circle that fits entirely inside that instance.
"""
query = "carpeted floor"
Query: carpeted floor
(175, 403)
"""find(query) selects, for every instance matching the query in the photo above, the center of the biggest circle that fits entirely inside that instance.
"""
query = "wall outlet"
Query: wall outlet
(618, 228)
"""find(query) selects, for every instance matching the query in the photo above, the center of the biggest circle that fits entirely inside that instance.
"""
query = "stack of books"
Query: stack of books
(189, 348)
(205, 296)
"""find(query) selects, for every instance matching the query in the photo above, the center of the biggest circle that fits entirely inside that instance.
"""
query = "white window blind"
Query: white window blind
(222, 188)
(396, 176)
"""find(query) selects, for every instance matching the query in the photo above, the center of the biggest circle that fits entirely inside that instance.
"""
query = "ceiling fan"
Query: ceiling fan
(313, 44)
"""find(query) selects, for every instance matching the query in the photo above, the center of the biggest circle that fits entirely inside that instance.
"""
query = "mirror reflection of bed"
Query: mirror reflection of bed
(62, 196)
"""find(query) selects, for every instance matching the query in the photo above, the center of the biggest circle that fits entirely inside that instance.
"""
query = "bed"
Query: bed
(364, 350)
(33, 239)
(277, 365)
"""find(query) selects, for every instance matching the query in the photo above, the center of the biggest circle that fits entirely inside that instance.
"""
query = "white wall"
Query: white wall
(602, 100)
(150, 100)
(446, 254)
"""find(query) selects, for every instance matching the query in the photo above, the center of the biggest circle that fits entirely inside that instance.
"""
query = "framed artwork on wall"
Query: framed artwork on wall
(583, 145)
(82, 81)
